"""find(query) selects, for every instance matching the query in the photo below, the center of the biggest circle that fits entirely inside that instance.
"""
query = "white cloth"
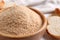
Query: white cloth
(47, 6)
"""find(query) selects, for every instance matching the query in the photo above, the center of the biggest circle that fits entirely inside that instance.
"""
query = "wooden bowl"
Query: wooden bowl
(35, 36)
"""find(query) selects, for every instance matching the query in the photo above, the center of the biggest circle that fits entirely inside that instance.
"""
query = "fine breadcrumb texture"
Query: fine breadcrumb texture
(19, 20)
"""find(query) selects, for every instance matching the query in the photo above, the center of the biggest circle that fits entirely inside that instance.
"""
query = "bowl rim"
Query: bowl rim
(41, 29)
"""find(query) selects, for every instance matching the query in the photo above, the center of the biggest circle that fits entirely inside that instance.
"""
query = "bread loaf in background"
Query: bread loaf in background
(1, 4)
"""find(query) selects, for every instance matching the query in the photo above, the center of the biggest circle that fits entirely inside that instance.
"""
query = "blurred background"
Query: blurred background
(42, 5)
